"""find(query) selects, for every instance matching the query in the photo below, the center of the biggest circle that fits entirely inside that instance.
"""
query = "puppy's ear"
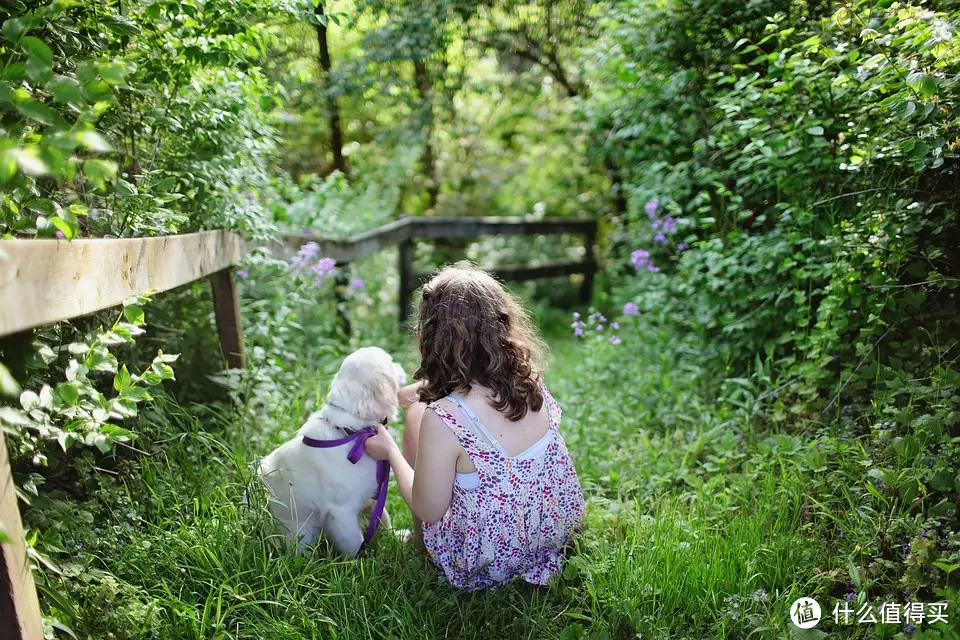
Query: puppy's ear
(378, 397)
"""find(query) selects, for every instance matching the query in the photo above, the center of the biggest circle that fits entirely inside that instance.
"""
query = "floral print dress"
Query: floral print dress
(519, 517)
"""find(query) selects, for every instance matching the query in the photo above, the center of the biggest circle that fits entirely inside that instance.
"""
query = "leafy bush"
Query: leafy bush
(805, 156)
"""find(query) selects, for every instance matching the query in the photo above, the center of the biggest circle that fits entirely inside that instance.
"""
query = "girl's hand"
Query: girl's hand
(409, 394)
(381, 445)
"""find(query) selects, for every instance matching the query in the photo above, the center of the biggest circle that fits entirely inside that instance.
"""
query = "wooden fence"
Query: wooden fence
(405, 231)
(45, 281)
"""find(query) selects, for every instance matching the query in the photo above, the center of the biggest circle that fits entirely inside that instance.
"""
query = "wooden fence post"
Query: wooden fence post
(406, 281)
(590, 270)
(341, 282)
(226, 308)
(19, 608)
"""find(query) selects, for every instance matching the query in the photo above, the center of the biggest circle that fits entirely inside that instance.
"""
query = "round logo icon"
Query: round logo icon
(805, 613)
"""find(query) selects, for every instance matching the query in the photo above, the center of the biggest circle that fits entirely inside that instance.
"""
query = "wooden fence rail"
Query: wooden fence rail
(404, 231)
(45, 281)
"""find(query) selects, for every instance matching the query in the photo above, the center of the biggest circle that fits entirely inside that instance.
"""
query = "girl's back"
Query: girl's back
(483, 464)
(516, 499)
(513, 437)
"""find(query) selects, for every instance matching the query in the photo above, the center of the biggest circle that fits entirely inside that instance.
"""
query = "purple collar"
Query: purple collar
(354, 455)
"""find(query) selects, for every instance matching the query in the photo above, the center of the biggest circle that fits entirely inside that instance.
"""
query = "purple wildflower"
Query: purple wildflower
(670, 225)
(631, 309)
(909, 628)
(356, 284)
(615, 340)
(614, 325)
(243, 274)
(651, 208)
(304, 256)
(683, 246)
(576, 315)
(653, 269)
(657, 224)
(662, 239)
(599, 327)
(851, 596)
(640, 259)
(578, 331)
(251, 195)
(324, 268)
(59, 234)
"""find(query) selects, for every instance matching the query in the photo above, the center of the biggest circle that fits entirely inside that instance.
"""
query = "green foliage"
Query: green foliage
(778, 418)
(701, 523)
(806, 153)
(79, 409)
(133, 120)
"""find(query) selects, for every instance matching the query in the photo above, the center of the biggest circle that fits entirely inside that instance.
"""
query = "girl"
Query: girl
(483, 468)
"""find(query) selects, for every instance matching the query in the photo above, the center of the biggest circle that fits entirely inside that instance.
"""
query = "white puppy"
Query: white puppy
(316, 490)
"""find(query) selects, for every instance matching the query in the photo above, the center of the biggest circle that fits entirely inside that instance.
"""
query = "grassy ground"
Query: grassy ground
(700, 525)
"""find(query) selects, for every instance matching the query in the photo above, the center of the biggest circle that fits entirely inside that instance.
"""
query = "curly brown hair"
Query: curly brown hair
(472, 331)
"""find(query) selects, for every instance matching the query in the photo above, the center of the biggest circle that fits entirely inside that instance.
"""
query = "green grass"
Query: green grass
(698, 526)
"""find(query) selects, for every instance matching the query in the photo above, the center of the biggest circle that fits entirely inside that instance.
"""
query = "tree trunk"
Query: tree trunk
(428, 162)
(618, 197)
(336, 133)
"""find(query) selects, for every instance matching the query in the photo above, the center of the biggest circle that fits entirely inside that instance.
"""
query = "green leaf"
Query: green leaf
(38, 111)
(120, 25)
(8, 386)
(65, 227)
(37, 48)
(122, 380)
(39, 64)
(68, 393)
(928, 86)
(8, 165)
(815, 131)
(905, 109)
(96, 91)
(14, 72)
(112, 73)
(133, 314)
(66, 90)
(30, 163)
(949, 568)
(796, 633)
(99, 172)
(29, 400)
(13, 417)
(94, 141)
(15, 28)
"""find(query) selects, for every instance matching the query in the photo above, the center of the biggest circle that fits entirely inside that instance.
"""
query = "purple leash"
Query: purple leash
(354, 455)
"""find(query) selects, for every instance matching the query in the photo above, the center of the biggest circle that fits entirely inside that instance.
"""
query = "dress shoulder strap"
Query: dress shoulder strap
(476, 442)
(475, 423)
(554, 412)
